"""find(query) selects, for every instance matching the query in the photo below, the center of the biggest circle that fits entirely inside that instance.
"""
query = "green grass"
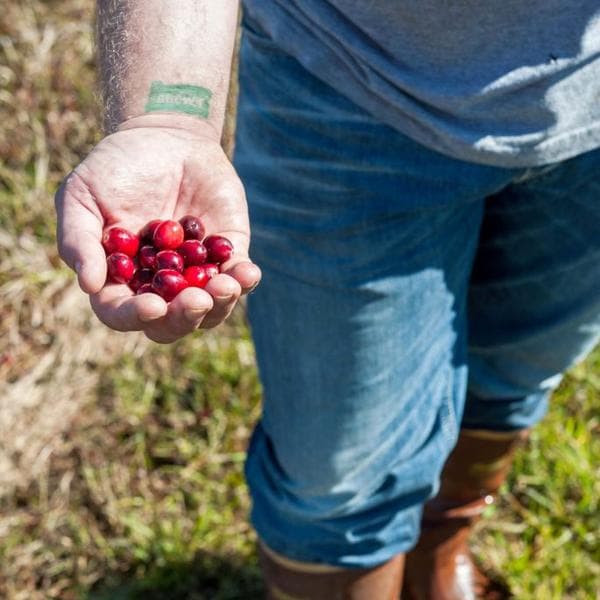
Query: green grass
(123, 476)
(155, 506)
(545, 532)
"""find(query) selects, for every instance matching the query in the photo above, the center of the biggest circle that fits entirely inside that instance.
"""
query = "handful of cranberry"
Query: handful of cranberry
(166, 257)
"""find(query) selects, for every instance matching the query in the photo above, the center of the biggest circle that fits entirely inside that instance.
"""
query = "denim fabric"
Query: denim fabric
(404, 293)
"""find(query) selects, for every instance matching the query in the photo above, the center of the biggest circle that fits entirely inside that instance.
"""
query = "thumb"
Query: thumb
(79, 233)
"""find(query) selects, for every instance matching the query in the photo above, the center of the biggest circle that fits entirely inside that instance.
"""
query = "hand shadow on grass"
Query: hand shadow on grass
(207, 577)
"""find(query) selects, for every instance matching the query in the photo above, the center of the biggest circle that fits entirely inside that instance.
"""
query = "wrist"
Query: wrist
(172, 120)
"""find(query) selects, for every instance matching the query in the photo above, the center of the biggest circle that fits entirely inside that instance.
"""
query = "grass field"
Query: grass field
(121, 461)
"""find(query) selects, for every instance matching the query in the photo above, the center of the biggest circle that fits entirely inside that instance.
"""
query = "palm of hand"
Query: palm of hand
(164, 174)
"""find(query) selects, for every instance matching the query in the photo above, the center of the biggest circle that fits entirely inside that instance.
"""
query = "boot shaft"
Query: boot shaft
(440, 567)
(287, 579)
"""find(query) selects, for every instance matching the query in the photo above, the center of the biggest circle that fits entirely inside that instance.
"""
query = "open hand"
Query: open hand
(143, 172)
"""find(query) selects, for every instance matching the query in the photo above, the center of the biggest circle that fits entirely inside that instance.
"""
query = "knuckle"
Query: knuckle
(107, 316)
(115, 324)
(168, 333)
(215, 319)
(159, 338)
(106, 320)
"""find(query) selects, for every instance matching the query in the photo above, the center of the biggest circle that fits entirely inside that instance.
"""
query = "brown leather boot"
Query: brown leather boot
(440, 567)
(287, 579)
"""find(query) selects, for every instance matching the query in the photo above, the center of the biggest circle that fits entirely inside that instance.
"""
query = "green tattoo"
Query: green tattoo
(179, 97)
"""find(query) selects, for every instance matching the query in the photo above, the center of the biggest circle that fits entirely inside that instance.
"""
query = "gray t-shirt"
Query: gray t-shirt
(511, 83)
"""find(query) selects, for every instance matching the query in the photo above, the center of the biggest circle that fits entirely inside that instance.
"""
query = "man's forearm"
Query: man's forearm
(165, 56)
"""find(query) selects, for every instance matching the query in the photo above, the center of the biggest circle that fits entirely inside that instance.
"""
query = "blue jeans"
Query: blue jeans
(405, 294)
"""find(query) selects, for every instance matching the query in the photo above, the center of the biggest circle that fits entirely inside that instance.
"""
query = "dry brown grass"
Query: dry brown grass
(50, 343)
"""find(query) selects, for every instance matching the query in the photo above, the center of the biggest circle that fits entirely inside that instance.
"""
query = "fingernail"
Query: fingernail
(224, 298)
(252, 288)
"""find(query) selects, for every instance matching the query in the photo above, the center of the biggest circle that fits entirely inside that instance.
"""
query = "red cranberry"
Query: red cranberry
(147, 257)
(117, 239)
(141, 277)
(192, 227)
(169, 259)
(200, 275)
(219, 249)
(120, 267)
(168, 235)
(147, 233)
(193, 252)
(145, 288)
(168, 283)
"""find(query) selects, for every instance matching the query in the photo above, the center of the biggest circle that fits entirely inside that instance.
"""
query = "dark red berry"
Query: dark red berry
(169, 259)
(193, 252)
(192, 227)
(147, 257)
(147, 233)
(120, 267)
(200, 275)
(140, 277)
(168, 283)
(117, 239)
(219, 249)
(146, 288)
(168, 235)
